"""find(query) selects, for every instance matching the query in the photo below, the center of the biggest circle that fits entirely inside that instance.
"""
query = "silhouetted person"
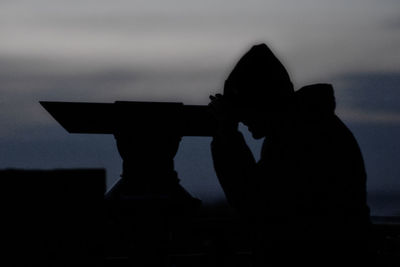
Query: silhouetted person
(305, 198)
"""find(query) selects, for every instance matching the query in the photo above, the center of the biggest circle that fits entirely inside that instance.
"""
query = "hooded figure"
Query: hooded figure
(305, 199)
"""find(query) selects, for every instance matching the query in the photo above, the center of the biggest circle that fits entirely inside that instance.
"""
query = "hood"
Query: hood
(258, 77)
(316, 99)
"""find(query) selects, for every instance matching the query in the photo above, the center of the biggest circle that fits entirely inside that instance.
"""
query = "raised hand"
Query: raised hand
(225, 114)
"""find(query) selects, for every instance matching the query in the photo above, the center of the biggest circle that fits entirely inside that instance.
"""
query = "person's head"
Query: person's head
(260, 88)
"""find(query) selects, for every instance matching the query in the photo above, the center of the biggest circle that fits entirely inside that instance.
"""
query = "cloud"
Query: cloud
(368, 97)
(315, 37)
(369, 117)
(372, 91)
(392, 23)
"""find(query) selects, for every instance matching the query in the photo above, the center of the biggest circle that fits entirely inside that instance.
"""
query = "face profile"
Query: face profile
(254, 121)
(258, 88)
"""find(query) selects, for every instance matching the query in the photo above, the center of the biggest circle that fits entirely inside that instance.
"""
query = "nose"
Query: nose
(245, 122)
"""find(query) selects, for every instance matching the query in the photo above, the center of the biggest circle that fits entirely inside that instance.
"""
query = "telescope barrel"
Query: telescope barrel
(107, 118)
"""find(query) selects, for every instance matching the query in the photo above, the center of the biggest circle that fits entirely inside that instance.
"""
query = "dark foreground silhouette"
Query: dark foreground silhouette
(306, 197)
(54, 218)
(304, 202)
(142, 205)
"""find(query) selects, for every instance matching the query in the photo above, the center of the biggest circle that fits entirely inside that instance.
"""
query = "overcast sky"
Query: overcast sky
(172, 50)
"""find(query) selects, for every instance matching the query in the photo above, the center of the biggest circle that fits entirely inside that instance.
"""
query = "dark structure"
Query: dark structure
(52, 217)
(143, 205)
(148, 196)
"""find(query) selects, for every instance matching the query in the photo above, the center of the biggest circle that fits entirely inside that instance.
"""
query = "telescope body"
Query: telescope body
(131, 116)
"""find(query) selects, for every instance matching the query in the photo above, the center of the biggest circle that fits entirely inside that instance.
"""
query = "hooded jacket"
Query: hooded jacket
(310, 182)
(258, 78)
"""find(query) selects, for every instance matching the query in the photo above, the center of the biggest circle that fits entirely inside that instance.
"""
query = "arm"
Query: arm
(233, 161)
(235, 167)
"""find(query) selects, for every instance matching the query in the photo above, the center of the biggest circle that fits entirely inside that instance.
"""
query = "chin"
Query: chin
(257, 135)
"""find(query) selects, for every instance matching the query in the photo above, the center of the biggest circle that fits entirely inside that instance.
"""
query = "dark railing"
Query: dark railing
(220, 241)
(54, 218)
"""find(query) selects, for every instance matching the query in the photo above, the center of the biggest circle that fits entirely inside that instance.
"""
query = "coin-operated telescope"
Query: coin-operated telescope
(147, 137)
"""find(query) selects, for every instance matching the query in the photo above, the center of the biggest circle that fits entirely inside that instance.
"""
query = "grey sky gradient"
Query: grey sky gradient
(180, 50)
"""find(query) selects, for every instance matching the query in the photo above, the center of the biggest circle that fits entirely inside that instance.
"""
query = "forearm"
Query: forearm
(234, 165)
